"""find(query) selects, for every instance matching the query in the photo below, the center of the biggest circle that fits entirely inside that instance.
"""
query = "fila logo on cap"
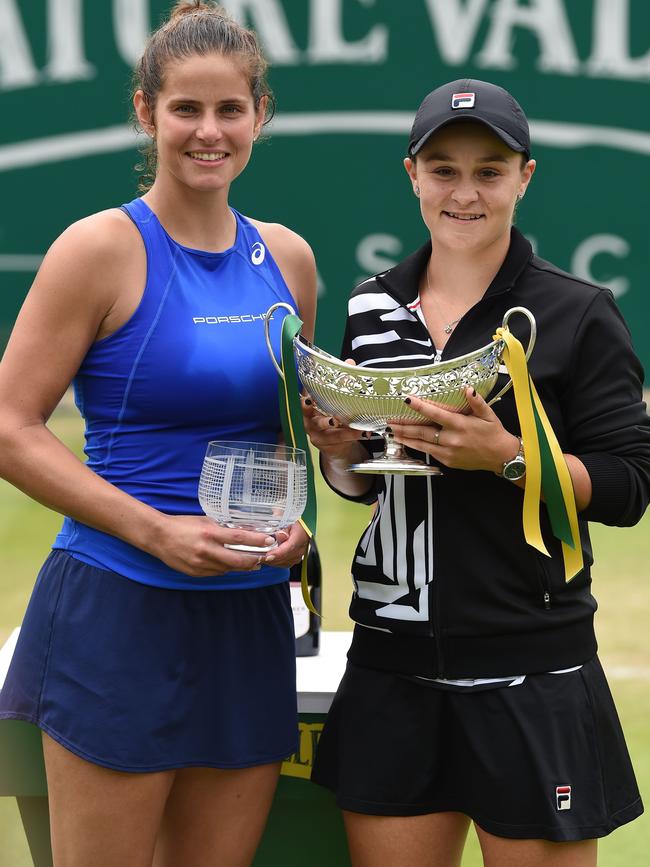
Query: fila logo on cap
(563, 797)
(463, 100)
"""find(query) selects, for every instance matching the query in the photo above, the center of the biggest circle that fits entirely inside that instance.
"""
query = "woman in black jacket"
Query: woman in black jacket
(473, 690)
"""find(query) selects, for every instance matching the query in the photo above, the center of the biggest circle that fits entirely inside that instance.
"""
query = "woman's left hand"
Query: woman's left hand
(292, 547)
(473, 441)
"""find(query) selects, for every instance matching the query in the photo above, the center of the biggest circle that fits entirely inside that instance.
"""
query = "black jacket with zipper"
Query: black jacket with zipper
(445, 583)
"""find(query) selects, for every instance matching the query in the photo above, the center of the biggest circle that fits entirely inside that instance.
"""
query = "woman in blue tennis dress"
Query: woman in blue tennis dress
(158, 663)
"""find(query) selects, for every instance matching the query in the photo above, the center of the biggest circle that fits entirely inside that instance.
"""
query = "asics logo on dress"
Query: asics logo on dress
(230, 320)
(258, 252)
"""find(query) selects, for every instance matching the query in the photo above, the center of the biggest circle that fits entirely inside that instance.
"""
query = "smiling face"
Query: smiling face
(469, 181)
(204, 122)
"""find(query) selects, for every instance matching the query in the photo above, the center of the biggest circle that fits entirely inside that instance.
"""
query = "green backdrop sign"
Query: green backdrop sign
(348, 76)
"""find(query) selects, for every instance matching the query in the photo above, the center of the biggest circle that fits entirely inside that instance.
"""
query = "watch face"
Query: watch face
(515, 469)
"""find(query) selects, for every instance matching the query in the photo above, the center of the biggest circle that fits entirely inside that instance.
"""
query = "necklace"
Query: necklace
(448, 327)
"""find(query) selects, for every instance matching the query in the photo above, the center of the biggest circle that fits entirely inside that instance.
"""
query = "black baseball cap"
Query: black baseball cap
(468, 99)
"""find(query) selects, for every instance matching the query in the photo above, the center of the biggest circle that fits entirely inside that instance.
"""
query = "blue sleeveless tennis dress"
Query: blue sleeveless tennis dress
(190, 366)
(125, 661)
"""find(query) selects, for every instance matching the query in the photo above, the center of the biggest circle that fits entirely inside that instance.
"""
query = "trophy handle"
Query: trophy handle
(531, 344)
(267, 331)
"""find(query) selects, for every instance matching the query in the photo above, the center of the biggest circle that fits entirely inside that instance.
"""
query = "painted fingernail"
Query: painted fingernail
(407, 400)
(332, 422)
(308, 402)
(270, 558)
(473, 392)
(270, 540)
(365, 434)
(389, 430)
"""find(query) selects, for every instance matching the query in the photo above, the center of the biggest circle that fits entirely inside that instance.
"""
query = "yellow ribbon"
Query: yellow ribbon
(538, 436)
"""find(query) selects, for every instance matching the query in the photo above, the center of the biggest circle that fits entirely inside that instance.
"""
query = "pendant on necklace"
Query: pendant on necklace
(449, 327)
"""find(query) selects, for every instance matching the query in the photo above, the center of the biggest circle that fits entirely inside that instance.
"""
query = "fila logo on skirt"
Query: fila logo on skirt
(563, 797)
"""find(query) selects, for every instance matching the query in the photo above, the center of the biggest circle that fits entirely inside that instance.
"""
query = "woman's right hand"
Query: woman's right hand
(327, 433)
(194, 545)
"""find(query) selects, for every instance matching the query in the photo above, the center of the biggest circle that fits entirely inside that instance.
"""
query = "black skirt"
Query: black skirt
(542, 760)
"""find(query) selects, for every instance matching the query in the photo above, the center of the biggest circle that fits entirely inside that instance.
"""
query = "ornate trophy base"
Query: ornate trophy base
(394, 461)
(409, 467)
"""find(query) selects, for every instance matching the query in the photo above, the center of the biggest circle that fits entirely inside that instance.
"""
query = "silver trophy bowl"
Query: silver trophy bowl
(371, 398)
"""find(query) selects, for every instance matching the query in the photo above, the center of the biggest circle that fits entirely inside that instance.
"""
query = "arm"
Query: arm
(75, 298)
(477, 441)
(606, 428)
(295, 259)
(607, 421)
(339, 446)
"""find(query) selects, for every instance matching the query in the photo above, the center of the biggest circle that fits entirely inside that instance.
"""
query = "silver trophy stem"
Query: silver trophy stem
(394, 460)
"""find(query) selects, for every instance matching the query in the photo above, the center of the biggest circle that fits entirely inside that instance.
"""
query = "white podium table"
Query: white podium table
(318, 677)
(6, 652)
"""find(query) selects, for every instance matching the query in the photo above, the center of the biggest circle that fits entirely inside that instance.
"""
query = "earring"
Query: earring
(416, 190)
(520, 196)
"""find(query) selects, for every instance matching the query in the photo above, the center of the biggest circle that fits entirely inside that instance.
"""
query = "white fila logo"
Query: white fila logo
(563, 797)
(463, 100)
(258, 253)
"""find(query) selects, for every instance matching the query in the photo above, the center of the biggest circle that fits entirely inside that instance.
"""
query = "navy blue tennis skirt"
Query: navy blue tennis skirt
(139, 678)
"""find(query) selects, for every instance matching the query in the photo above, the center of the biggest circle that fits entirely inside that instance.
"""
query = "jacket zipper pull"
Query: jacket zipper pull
(547, 600)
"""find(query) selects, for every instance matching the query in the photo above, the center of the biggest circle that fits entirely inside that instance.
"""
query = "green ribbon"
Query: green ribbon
(551, 487)
(294, 434)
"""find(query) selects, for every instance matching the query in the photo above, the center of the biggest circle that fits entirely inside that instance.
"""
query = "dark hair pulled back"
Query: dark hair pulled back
(196, 28)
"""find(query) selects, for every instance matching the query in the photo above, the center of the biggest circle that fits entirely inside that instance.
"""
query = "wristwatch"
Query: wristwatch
(515, 468)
